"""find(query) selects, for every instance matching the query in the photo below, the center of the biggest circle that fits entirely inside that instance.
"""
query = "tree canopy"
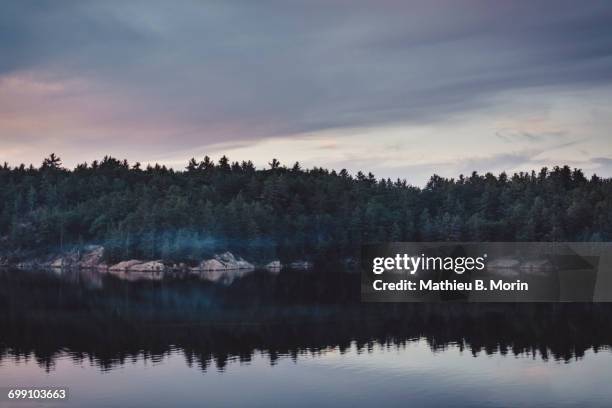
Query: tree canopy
(283, 212)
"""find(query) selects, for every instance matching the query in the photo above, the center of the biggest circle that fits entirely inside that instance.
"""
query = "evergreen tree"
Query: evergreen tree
(283, 212)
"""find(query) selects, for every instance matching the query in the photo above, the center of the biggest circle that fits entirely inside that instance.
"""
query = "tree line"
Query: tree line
(283, 212)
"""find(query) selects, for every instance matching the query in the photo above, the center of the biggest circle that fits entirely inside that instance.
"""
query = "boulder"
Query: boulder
(232, 262)
(92, 257)
(57, 263)
(151, 266)
(89, 258)
(125, 265)
(67, 260)
(274, 266)
(223, 262)
(211, 265)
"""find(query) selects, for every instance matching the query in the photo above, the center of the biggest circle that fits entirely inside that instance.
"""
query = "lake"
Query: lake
(289, 339)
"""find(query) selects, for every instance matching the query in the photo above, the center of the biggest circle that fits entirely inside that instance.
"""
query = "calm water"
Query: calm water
(290, 339)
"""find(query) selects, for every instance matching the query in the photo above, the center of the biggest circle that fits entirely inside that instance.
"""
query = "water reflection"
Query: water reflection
(110, 320)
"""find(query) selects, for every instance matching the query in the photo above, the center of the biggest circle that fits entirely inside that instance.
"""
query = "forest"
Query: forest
(282, 212)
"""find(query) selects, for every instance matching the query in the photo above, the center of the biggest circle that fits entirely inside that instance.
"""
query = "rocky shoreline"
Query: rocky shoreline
(92, 257)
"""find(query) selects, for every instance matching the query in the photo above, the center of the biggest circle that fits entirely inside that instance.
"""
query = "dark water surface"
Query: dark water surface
(289, 339)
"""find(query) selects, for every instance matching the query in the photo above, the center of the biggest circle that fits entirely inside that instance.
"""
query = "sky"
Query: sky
(399, 88)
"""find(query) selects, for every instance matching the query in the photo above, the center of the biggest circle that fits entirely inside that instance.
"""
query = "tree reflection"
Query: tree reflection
(112, 322)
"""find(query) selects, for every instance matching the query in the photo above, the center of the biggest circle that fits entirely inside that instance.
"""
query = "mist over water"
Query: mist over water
(289, 338)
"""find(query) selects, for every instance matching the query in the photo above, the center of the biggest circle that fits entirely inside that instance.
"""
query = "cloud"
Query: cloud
(602, 165)
(191, 74)
(513, 135)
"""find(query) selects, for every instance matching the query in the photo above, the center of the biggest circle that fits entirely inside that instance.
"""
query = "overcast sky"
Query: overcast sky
(402, 89)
